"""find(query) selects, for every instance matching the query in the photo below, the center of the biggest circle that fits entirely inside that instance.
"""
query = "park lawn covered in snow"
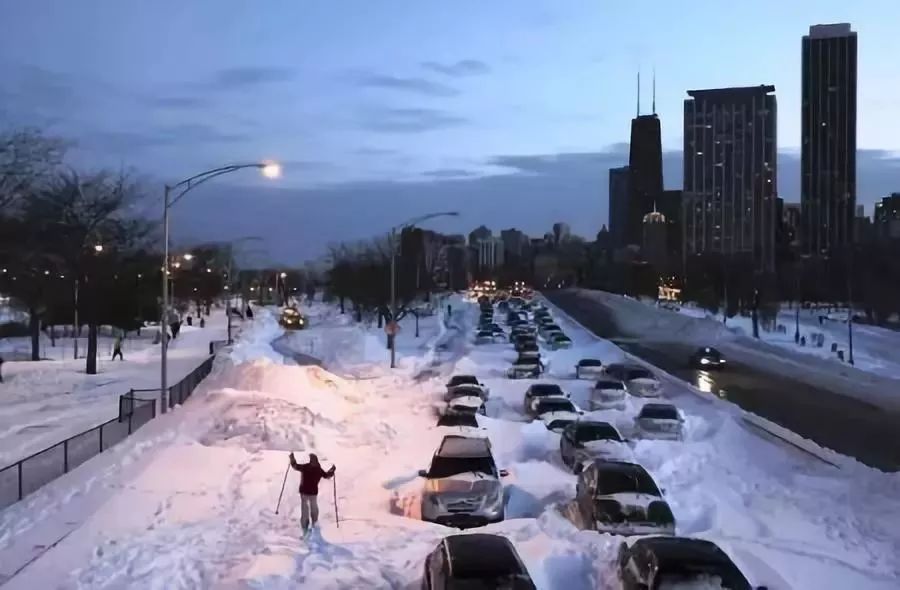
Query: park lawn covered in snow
(189, 501)
(45, 402)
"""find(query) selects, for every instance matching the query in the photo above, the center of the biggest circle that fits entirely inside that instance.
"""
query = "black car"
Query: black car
(458, 420)
(654, 562)
(578, 434)
(619, 498)
(476, 560)
(524, 338)
(707, 358)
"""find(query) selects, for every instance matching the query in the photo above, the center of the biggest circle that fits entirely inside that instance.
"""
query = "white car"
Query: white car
(587, 440)
(638, 381)
(556, 412)
(660, 422)
(588, 369)
(467, 389)
(608, 394)
(461, 424)
(463, 403)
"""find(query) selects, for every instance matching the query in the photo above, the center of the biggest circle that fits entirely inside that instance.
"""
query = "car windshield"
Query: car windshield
(589, 363)
(554, 405)
(486, 333)
(466, 390)
(462, 380)
(638, 374)
(558, 425)
(655, 412)
(588, 431)
(542, 389)
(448, 466)
(630, 481)
(609, 385)
(458, 420)
(710, 352)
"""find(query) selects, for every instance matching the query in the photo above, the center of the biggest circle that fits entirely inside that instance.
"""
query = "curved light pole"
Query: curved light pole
(269, 170)
(412, 222)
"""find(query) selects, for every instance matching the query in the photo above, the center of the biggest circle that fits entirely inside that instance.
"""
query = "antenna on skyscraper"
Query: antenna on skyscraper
(654, 90)
(639, 94)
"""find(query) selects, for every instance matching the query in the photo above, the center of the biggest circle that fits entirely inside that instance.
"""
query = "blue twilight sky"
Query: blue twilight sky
(508, 111)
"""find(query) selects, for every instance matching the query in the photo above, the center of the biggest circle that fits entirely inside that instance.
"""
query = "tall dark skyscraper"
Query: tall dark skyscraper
(619, 181)
(828, 148)
(730, 173)
(645, 163)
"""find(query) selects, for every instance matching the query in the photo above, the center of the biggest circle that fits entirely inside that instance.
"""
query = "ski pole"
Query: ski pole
(337, 521)
(277, 506)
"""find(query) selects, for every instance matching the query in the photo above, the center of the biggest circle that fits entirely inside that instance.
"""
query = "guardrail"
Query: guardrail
(136, 408)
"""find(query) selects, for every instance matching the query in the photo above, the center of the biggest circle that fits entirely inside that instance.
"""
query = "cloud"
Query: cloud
(408, 120)
(465, 67)
(413, 85)
(450, 173)
(370, 151)
(180, 102)
(185, 135)
(243, 77)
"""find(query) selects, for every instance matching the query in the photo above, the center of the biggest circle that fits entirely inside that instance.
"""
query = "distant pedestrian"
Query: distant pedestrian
(249, 313)
(202, 322)
(1, 369)
(310, 475)
(117, 349)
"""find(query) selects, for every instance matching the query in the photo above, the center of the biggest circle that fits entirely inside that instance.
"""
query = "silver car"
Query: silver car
(660, 422)
(462, 486)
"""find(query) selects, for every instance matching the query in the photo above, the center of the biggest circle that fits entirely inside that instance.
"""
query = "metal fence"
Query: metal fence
(136, 408)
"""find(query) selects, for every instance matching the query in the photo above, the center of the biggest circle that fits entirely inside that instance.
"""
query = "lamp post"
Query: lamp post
(229, 283)
(269, 169)
(402, 226)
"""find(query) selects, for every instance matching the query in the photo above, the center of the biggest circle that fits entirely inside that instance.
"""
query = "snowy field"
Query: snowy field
(189, 501)
(44, 402)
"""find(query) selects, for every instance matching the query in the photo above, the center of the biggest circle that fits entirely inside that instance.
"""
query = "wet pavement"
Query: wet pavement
(846, 425)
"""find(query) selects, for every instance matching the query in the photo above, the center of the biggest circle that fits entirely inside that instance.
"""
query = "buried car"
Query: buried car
(677, 562)
(475, 560)
(619, 498)
(586, 440)
(659, 421)
(638, 381)
(461, 423)
(462, 485)
(608, 394)
(538, 391)
(462, 380)
(525, 368)
(487, 337)
(556, 412)
(558, 340)
(588, 369)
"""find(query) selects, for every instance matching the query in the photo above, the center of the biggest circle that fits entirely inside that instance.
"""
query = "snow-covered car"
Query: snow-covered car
(707, 358)
(638, 381)
(462, 380)
(526, 343)
(558, 340)
(467, 390)
(526, 330)
(659, 421)
(529, 350)
(588, 369)
(460, 423)
(545, 330)
(465, 404)
(539, 391)
(475, 560)
(556, 412)
(462, 486)
(587, 440)
(525, 368)
(487, 337)
(608, 394)
(619, 498)
(677, 562)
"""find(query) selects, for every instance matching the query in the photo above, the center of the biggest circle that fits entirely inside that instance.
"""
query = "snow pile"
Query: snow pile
(256, 343)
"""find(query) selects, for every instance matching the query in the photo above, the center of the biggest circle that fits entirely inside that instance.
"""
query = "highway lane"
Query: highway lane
(841, 423)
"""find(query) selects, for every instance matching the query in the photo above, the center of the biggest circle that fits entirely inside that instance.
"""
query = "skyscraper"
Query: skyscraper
(828, 147)
(645, 165)
(618, 205)
(730, 173)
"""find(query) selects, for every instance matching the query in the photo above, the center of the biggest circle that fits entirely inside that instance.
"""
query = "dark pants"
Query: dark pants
(118, 353)
(309, 511)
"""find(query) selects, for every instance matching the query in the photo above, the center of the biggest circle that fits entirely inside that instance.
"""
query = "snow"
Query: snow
(189, 500)
(45, 402)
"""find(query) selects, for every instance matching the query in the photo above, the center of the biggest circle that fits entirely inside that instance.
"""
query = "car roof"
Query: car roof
(540, 386)
(590, 362)
(464, 446)
(460, 377)
(479, 555)
(553, 399)
(596, 423)
(679, 549)
(659, 406)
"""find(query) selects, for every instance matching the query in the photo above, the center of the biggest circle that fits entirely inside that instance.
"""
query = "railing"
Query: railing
(136, 408)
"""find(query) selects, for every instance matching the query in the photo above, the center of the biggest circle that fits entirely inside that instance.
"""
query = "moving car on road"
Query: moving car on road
(588, 369)
(556, 412)
(638, 380)
(476, 560)
(292, 319)
(677, 562)
(587, 440)
(538, 391)
(707, 358)
(659, 421)
(462, 485)
(608, 394)
(619, 498)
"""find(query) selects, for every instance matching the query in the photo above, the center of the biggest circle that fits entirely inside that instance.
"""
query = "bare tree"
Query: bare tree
(27, 158)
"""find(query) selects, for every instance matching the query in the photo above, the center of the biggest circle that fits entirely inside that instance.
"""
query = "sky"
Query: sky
(509, 111)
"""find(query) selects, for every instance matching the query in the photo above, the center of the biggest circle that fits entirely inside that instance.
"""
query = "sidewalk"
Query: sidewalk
(44, 402)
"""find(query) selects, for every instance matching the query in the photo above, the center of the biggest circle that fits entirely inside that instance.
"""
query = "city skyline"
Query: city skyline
(480, 109)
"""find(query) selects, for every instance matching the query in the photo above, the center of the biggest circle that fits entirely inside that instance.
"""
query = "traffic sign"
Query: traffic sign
(391, 328)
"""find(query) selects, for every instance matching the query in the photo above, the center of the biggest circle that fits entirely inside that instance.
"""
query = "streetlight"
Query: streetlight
(268, 169)
(402, 226)
(188, 256)
(98, 247)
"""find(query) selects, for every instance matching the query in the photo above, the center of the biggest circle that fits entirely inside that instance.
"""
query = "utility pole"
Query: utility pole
(393, 337)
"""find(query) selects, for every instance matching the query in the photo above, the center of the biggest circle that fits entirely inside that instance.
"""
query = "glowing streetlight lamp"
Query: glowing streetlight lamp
(98, 247)
(271, 170)
(188, 256)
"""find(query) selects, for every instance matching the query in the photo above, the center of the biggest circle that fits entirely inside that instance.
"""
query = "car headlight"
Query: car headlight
(704, 361)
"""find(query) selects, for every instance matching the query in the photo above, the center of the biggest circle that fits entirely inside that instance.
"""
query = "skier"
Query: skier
(117, 349)
(310, 475)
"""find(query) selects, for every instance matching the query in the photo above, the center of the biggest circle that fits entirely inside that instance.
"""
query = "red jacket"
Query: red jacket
(310, 476)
